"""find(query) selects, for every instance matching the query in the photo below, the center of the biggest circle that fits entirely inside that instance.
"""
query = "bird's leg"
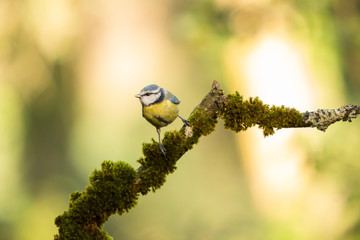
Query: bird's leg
(185, 121)
(160, 144)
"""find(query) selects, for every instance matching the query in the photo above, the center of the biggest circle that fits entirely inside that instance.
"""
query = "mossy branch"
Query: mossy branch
(116, 187)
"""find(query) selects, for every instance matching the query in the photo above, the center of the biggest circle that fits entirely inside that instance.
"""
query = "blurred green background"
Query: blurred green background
(69, 71)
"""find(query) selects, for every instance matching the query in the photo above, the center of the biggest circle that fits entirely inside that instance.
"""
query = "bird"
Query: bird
(159, 107)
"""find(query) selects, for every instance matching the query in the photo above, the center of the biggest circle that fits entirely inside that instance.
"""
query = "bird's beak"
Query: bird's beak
(137, 95)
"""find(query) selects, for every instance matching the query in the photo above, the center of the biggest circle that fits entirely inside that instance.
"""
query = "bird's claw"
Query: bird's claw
(163, 150)
(185, 121)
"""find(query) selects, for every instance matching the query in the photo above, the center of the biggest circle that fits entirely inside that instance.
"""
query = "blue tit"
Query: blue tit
(159, 107)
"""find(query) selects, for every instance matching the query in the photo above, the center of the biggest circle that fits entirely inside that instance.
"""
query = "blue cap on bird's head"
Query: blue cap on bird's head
(150, 87)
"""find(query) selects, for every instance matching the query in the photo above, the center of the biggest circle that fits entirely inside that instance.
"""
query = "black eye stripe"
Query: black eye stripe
(149, 93)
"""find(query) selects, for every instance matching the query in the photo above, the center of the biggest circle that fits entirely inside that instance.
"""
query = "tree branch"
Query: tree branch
(323, 118)
(116, 187)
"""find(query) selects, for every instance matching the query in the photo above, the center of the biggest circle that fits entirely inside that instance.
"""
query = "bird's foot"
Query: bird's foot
(163, 150)
(185, 121)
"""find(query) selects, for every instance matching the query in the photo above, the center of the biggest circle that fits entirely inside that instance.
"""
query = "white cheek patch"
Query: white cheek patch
(147, 100)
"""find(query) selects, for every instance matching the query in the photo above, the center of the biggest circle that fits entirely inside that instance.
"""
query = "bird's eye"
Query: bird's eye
(147, 94)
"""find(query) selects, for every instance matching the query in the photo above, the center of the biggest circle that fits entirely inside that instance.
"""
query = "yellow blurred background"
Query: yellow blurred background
(69, 71)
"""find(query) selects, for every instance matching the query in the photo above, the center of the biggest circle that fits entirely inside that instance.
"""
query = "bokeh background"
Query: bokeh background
(69, 71)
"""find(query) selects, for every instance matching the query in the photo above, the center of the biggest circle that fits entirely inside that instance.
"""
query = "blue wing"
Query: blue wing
(174, 99)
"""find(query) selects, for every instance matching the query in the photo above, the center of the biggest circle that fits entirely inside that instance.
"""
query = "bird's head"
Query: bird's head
(150, 94)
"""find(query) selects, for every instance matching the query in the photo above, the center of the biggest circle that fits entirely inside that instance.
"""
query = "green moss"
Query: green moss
(110, 191)
(203, 122)
(114, 183)
(240, 115)
(175, 145)
(156, 165)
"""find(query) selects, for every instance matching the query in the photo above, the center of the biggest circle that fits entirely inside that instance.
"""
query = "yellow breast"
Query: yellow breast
(161, 114)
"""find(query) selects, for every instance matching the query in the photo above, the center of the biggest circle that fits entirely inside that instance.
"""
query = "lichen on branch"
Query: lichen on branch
(115, 188)
(323, 118)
